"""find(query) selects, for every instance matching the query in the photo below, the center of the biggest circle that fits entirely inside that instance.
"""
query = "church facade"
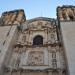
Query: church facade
(39, 46)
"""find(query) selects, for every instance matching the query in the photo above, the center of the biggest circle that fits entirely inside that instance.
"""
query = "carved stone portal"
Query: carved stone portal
(35, 58)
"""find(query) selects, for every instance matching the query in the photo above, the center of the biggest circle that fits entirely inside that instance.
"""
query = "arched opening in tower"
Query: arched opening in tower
(38, 40)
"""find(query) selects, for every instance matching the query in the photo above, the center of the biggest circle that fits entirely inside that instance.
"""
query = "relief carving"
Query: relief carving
(35, 58)
(22, 38)
(39, 24)
(52, 38)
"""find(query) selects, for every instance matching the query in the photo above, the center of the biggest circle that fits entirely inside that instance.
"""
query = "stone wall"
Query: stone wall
(8, 36)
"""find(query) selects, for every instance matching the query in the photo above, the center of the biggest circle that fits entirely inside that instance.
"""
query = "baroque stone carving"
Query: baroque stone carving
(35, 58)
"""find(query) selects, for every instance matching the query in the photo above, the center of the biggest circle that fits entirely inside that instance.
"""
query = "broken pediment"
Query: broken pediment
(41, 22)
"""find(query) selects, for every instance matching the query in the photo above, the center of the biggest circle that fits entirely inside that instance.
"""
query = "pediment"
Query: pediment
(41, 22)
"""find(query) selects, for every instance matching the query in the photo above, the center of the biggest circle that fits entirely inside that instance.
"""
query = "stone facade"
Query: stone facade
(36, 46)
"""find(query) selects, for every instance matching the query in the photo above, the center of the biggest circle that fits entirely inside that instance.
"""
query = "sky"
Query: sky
(34, 8)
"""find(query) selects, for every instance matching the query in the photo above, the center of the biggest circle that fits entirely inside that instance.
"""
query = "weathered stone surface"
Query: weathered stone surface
(39, 59)
(7, 42)
(22, 54)
(14, 17)
(68, 33)
(66, 13)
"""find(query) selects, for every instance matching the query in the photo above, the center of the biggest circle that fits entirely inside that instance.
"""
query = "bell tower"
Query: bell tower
(66, 20)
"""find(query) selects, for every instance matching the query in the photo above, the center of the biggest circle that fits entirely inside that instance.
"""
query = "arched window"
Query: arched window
(38, 40)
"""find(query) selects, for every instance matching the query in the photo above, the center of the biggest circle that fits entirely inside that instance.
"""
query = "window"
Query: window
(38, 40)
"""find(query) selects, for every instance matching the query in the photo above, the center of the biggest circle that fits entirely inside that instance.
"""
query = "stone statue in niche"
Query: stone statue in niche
(20, 38)
(39, 24)
(52, 36)
(24, 38)
(35, 58)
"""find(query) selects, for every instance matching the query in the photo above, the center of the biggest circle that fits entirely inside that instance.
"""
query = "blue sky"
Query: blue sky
(34, 8)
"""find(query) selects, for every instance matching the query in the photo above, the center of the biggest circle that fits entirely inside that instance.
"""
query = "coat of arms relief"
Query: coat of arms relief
(35, 58)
